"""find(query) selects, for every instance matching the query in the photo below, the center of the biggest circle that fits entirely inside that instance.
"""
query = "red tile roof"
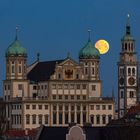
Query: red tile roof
(21, 133)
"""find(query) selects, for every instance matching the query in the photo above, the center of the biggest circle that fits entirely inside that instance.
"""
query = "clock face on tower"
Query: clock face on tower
(131, 81)
(121, 81)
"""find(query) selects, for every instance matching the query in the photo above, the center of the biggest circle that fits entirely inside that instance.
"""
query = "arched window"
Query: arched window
(129, 71)
(104, 119)
(92, 119)
(133, 71)
(125, 46)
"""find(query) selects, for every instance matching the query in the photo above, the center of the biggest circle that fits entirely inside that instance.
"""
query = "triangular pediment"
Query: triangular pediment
(69, 62)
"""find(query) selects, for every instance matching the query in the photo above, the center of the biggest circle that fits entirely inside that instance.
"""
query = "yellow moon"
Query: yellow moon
(102, 46)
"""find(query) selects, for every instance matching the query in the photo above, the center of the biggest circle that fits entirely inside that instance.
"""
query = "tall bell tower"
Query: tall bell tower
(127, 73)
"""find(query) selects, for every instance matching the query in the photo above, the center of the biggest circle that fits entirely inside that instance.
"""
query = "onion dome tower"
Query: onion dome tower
(89, 57)
(16, 60)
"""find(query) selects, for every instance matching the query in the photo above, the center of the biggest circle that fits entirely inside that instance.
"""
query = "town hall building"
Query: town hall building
(57, 92)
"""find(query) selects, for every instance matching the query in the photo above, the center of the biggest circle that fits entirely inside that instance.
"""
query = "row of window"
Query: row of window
(69, 97)
(39, 87)
(100, 119)
(130, 95)
(19, 69)
(20, 87)
(35, 117)
(130, 71)
(16, 119)
(101, 107)
(127, 47)
(71, 86)
(80, 118)
(67, 107)
(16, 107)
(35, 106)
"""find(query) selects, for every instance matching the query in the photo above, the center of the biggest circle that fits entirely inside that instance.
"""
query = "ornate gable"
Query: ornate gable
(67, 70)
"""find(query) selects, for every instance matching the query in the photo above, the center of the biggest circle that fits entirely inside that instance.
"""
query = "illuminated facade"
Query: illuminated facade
(55, 93)
(127, 74)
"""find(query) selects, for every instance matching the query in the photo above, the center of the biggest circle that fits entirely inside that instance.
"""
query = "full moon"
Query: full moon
(102, 46)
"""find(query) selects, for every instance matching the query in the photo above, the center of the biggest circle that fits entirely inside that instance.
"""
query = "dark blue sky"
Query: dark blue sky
(55, 27)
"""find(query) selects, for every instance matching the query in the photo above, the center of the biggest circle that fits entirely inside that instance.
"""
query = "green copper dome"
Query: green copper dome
(89, 51)
(16, 49)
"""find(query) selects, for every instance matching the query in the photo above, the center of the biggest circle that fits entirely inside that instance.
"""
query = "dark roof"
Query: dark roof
(92, 133)
(42, 71)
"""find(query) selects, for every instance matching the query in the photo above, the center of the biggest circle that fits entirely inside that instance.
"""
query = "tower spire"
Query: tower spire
(128, 25)
(89, 32)
(16, 36)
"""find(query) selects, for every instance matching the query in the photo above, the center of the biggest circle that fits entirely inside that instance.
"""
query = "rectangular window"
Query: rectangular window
(72, 86)
(66, 118)
(78, 118)
(46, 106)
(97, 107)
(60, 107)
(72, 97)
(84, 97)
(109, 107)
(34, 119)
(54, 97)
(60, 118)
(98, 119)
(109, 118)
(39, 106)
(66, 97)
(27, 106)
(40, 119)
(66, 108)
(46, 119)
(78, 86)
(92, 119)
(54, 118)
(78, 97)
(84, 86)
(72, 108)
(13, 69)
(19, 69)
(33, 106)
(104, 107)
(78, 107)
(84, 107)
(59, 86)
(92, 107)
(27, 119)
(66, 86)
(60, 97)
(20, 87)
(84, 118)
(34, 88)
(72, 117)
(93, 87)
(54, 86)
(104, 119)
(54, 107)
